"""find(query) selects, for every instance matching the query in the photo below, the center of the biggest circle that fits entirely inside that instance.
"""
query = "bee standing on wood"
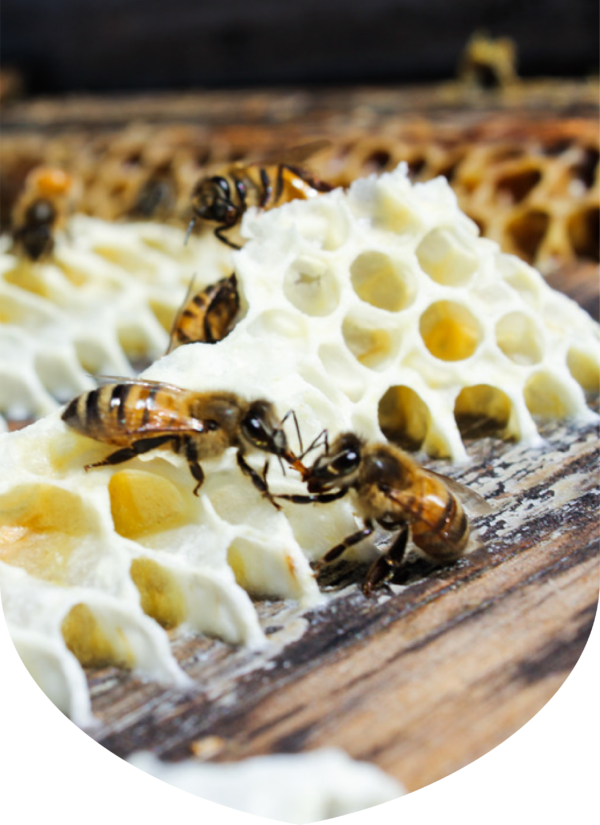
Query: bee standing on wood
(139, 415)
(207, 315)
(41, 209)
(394, 491)
(224, 198)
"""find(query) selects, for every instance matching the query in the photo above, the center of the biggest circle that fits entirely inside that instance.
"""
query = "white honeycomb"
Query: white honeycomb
(379, 310)
(104, 301)
(296, 788)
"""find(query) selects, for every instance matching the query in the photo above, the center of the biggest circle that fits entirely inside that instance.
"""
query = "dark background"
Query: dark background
(108, 45)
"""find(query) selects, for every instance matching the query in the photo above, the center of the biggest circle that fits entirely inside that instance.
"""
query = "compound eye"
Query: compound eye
(211, 426)
(346, 462)
(223, 184)
(255, 431)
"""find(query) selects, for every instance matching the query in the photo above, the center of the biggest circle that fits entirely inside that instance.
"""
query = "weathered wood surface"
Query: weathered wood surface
(427, 676)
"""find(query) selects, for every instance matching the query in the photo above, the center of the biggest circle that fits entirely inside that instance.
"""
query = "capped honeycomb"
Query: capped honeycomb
(379, 310)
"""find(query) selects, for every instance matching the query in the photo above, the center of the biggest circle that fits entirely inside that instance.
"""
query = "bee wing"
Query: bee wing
(475, 504)
(162, 422)
(298, 154)
(102, 380)
(295, 154)
(184, 303)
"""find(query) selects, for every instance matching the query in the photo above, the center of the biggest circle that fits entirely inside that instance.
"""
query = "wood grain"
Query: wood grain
(424, 678)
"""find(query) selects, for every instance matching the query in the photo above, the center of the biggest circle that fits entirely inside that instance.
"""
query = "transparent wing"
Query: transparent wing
(475, 504)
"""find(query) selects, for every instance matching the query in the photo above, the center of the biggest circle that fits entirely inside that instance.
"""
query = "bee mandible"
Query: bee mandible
(395, 492)
(138, 415)
(41, 209)
(223, 198)
(207, 315)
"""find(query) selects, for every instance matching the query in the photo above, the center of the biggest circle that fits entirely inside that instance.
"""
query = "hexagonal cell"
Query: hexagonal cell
(28, 278)
(482, 410)
(94, 357)
(374, 347)
(519, 338)
(583, 227)
(19, 398)
(586, 169)
(143, 503)
(585, 369)
(516, 185)
(525, 281)
(59, 372)
(378, 281)
(163, 312)
(527, 231)
(450, 331)
(134, 339)
(547, 397)
(22, 311)
(40, 527)
(325, 224)
(404, 418)
(86, 639)
(262, 570)
(395, 212)
(126, 258)
(346, 373)
(160, 597)
(311, 286)
(445, 257)
(278, 322)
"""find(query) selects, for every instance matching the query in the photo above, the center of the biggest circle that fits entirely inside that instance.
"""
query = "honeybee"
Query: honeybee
(139, 415)
(396, 493)
(224, 198)
(207, 315)
(155, 199)
(41, 209)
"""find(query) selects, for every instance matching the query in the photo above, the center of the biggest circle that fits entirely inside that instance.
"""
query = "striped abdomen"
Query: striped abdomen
(208, 315)
(118, 413)
(439, 524)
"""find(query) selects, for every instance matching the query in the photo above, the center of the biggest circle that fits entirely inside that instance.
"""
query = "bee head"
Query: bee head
(211, 201)
(263, 431)
(336, 467)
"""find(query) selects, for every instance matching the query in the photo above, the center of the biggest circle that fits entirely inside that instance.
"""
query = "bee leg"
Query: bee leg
(191, 454)
(259, 481)
(267, 188)
(144, 445)
(315, 498)
(219, 233)
(383, 568)
(279, 183)
(341, 548)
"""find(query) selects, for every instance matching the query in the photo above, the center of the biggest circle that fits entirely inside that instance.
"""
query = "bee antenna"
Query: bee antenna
(295, 417)
(191, 225)
(315, 443)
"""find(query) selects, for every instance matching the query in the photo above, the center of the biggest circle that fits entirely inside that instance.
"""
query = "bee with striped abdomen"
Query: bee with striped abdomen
(138, 415)
(41, 209)
(396, 493)
(207, 315)
(224, 198)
